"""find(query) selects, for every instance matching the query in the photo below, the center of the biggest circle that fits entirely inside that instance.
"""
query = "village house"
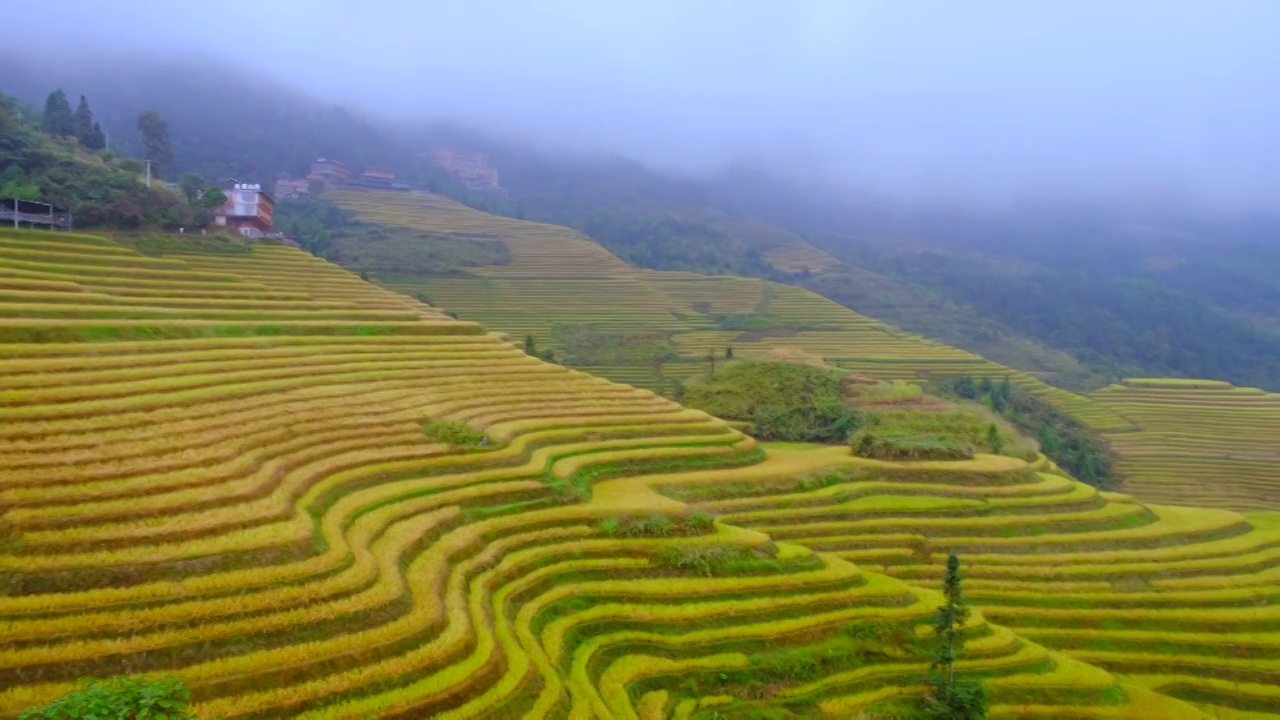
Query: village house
(377, 177)
(330, 172)
(248, 210)
(472, 168)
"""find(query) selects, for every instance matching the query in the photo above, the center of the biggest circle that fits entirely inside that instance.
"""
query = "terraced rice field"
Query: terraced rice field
(558, 277)
(1170, 599)
(1200, 443)
(212, 466)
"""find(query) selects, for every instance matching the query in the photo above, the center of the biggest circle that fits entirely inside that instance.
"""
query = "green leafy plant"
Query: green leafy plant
(781, 401)
(119, 698)
(455, 433)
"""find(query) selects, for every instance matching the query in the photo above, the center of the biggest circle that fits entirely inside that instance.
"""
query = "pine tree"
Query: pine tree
(966, 388)
(994, 439)
(947, 697)
(97, 140)
(58, 119)
(83, 121)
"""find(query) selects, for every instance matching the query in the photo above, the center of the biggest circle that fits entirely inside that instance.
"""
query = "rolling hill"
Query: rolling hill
(222, 461)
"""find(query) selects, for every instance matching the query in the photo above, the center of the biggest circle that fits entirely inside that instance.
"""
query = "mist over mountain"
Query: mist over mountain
(993, 101)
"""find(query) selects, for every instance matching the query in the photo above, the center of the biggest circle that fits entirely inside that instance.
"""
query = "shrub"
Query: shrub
(909, 447)
(119, 698)
(708, 560)
(890, 392)
(782, 401)
(452, 432)
(970, 426)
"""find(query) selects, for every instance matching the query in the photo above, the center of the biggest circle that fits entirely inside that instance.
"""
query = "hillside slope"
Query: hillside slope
(647, 327)
(215, 465)
(727, 225)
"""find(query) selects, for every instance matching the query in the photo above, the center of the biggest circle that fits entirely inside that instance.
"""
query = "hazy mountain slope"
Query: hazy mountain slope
(650, 328)
(1154, 289)
(654, 220)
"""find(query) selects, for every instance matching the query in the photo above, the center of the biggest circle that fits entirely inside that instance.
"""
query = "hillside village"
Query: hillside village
(248, 210)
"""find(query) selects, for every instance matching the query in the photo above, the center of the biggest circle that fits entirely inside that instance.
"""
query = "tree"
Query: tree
(82, 121)
(728, 353)
(155, 139)
(58, 119)
(530, 346)
(213, 198)
(966, 388)
(20, 190)
(121, 697)
(192, 185)
(96, 140)
(948, 698)
(711, 361)
(994, 439)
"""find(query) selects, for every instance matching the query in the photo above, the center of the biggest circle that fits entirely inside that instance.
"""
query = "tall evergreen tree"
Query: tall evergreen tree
(83, 121)
(97, 140)
(58, 119)
(155, 140)
(949, 698)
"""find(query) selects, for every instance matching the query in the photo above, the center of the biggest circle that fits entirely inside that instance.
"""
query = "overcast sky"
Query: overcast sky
(951, 96)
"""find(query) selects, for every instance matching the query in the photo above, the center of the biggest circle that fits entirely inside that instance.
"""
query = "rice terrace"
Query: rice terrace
(304, 494)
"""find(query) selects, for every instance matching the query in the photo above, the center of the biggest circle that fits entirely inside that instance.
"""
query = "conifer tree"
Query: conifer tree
(82, 121)
(947, 697)
(994, 439)
(58, 119)
(97, 140)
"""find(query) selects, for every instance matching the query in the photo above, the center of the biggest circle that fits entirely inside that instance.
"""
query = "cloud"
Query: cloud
(984, 98)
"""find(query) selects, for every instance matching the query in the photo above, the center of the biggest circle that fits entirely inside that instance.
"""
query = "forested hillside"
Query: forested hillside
(99, 187)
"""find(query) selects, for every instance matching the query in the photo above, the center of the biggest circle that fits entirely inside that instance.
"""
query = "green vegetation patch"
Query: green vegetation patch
(119, 697)
(1083, 453)
(193, 244)
(782, 401)
(454, 433)
(910, 447)
(946, 433)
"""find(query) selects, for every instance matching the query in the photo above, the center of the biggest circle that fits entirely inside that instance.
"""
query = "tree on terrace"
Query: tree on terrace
(948, 698)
